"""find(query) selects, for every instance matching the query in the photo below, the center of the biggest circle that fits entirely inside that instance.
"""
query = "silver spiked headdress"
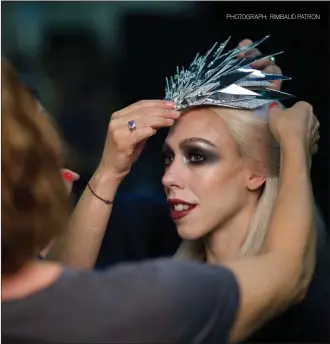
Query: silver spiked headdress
(223, 79)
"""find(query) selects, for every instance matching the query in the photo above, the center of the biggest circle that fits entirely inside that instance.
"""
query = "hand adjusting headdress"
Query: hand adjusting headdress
(218, 79)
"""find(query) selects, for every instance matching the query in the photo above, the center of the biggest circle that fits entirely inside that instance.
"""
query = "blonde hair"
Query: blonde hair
(256, 143)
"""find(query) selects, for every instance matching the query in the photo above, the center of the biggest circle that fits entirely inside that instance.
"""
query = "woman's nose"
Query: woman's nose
(174, 176)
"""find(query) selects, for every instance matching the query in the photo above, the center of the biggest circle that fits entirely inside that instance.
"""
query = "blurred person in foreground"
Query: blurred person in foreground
(183, 301)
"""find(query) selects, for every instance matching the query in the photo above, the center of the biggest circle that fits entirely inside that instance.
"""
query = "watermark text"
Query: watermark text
(273, 16)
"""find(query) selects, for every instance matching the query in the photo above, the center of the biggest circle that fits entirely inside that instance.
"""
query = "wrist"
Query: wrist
(105, 183)
(295, 148)
(293, 141)
(105, 174)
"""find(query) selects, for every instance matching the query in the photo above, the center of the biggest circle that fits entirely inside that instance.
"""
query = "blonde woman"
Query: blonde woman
(221, 181)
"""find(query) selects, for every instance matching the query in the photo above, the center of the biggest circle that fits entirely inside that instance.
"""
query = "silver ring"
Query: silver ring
(272, 60)
(131, 125)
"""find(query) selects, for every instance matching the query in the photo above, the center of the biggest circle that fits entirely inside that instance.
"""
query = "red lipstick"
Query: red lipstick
(179, 214)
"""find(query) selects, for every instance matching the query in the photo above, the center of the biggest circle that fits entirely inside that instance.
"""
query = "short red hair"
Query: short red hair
(34, 199)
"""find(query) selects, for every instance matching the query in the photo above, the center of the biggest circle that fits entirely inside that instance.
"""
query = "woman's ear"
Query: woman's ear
(255, 181)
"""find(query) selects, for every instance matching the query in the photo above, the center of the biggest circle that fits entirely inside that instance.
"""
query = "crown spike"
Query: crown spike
(211, 77)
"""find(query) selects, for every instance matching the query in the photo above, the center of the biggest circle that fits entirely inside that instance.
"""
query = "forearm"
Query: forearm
(293, 218)
(80, 244)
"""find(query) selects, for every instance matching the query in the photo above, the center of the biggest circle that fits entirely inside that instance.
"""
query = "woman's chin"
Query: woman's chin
(188, 234)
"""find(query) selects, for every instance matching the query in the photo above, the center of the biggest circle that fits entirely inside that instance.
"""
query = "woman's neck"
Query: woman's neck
(224, 243)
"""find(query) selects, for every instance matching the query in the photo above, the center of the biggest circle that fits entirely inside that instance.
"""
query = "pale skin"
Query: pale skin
(204, 168)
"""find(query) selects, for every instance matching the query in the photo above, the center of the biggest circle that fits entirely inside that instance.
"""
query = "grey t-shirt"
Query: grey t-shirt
(158, 302)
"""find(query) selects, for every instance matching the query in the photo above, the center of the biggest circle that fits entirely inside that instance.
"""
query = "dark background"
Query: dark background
(88, 59)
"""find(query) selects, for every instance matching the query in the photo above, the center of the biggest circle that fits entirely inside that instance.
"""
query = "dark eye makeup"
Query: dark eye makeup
(194, 154)
(199, 155)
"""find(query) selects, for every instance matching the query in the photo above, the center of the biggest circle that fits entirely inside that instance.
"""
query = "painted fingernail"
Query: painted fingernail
(169, 103)
(273, 105)
(68, 176)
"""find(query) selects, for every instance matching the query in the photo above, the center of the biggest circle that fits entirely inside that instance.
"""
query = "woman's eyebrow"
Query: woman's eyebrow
(192, 140)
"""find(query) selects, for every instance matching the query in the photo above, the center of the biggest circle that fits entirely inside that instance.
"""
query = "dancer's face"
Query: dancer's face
(206, 178)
